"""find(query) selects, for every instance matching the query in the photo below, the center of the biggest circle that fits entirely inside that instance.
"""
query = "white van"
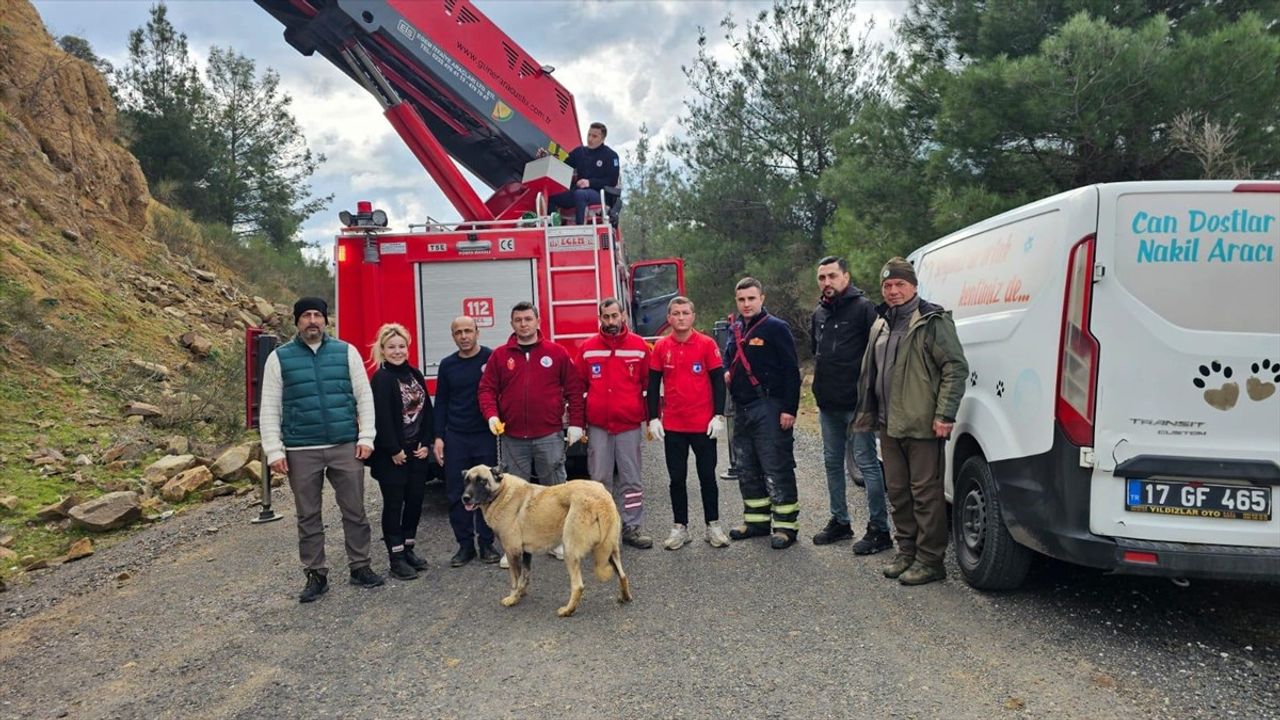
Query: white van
(1122, 409)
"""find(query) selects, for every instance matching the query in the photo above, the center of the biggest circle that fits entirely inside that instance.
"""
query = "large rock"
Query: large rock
(262, 307)
(251, 473)
(155, 369)
(196, 343)
(58, 510)
(126, 451)
(177, 445)
(193, 480)
(9, 502)
(7, 555)
(111, 511)
(141, 409)
(160, 471)
(81, 548)
(230, 463)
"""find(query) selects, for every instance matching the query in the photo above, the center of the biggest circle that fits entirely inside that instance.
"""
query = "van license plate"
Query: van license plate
(1231, 502)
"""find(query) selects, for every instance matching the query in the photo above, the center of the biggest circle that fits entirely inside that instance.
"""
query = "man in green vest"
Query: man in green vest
(316, 420)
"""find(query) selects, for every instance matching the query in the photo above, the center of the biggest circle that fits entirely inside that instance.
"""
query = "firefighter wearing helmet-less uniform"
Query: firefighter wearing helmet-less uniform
(764, 381)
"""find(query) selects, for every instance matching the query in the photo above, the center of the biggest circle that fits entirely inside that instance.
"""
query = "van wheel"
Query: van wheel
(989, 558)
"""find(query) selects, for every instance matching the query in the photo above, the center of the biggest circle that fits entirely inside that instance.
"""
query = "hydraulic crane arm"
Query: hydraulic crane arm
(451, 83)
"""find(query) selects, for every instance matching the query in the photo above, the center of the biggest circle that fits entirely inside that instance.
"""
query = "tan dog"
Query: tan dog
(530, 518)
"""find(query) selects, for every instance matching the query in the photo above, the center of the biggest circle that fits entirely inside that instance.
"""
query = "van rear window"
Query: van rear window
(1202, 261)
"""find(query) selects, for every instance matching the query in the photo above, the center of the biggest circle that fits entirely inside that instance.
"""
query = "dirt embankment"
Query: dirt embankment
(107, 299)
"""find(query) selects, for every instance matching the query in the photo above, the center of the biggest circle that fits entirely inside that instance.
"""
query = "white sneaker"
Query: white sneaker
(716, 536)
(557, 552)
(503, 563)
(678, 537)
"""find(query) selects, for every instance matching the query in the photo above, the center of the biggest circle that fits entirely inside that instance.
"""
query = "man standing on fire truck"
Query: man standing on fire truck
(764, 381)
(595, 167)
(523, 393)
(614, 368)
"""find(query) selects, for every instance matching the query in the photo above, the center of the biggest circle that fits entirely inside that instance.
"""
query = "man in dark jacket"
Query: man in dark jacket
(841, 322)
(595, 167)
(764, 381)
(910, 389)
(462, 437)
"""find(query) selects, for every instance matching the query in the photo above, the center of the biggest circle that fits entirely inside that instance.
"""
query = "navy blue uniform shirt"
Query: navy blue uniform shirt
(599, 167)
(456, 406)
(771, 350)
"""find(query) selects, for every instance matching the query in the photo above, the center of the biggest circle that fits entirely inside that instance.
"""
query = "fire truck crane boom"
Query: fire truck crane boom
(452, 84)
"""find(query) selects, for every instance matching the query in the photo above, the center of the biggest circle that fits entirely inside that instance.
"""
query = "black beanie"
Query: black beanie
(898, 269)
(310, 303)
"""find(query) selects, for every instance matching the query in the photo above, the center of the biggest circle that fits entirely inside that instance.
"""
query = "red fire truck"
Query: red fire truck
(457, 88)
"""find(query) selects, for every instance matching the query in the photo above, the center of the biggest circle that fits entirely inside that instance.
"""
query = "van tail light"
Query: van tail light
(1141, 558)
(1078, 363)
(1267, 187)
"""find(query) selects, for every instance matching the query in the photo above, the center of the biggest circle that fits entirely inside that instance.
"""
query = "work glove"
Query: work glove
(655, 429)
(575, 434)
(715, 428)
(495, 426)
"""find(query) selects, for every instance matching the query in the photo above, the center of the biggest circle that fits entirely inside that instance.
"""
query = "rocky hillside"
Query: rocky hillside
(120, 330)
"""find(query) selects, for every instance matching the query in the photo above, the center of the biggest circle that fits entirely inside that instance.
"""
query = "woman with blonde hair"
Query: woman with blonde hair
(402, 413)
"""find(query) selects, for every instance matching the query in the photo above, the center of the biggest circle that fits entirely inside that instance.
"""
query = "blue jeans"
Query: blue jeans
(578, 199)
(835, 434)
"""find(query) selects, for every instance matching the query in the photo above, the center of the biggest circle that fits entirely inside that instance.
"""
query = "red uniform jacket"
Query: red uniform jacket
(528, 390)
(615, 370)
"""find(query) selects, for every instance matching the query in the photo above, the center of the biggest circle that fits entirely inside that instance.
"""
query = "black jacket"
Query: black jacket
(599, 167)
(839, 339)
(771, 351)
(388, 411)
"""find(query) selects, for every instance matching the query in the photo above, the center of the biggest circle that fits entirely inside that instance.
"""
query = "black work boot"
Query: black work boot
(783, 539)
(748, 530)
(317, 585)
(414, 559)
(833, 532)
(366, 577)
(466, 553)
(873, 542)
(488, 555)
(400, 567)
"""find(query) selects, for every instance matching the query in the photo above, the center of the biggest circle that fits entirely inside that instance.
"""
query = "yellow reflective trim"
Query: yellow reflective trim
(755, 502)
(756, 517)
(786, 525)
(784, 509)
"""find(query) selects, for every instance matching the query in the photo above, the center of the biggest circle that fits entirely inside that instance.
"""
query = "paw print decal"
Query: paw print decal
(1223, 397)
(973, 378)
(1000, 389)
(1266, 375)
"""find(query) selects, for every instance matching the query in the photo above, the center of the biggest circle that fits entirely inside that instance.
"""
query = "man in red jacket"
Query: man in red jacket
(523, 392)
(614, 367)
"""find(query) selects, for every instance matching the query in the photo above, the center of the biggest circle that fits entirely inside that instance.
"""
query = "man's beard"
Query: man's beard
(610, 329)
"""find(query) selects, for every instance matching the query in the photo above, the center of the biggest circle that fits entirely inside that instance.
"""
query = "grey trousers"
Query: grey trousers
(542, 456)
(606, 451)
(307, 471)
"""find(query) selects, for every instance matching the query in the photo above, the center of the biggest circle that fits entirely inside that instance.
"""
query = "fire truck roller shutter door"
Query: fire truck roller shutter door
(483, 290)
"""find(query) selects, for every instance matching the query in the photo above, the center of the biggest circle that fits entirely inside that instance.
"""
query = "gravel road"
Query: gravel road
(206, 625)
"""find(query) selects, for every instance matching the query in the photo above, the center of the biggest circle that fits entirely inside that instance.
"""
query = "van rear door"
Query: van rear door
(1186, 313)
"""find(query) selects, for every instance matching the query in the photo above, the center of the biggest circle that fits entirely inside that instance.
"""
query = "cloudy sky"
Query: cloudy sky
(620, 59)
